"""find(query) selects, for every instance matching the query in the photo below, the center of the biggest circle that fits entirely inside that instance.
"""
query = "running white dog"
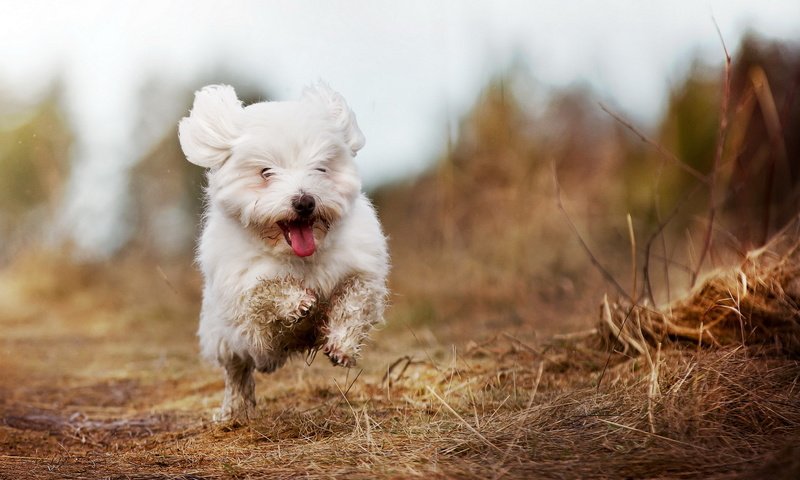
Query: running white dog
(292, 253)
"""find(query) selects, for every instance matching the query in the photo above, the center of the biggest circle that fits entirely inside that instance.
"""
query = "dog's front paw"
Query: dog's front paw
(305, 305)
(338, 356)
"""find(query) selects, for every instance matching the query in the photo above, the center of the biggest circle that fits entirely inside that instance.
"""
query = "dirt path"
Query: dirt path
(99, 378)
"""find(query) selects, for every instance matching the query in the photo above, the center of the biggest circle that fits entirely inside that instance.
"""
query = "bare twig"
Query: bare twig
(659, 232)
(521, 343)
(166, 279)
(703, 180)
(712, 178)
(352, 410)
(634, 270)
(406, 361)
(603, 271)
(661, 150)
(346, 391)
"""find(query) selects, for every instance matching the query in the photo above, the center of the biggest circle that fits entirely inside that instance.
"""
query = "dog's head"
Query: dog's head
(284, 170)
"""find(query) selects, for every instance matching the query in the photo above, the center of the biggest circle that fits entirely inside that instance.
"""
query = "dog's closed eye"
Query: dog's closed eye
(266, 173)
(323, 170)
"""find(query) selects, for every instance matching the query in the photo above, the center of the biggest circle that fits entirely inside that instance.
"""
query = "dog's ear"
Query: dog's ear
(340, 111)
(211, 128)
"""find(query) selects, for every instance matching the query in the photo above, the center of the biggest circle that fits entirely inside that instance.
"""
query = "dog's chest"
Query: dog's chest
(322, 274)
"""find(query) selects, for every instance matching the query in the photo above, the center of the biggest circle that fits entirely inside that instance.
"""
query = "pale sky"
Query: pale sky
(404, 67)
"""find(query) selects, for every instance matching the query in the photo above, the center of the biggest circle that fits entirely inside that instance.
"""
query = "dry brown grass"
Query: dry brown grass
(100, 377)
(102, 381)
(754, 303)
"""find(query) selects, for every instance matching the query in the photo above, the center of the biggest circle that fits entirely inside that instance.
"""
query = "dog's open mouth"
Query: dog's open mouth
(299, 234)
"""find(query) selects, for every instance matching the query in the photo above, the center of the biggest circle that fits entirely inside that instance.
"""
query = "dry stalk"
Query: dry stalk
(655, 435)
(712, 177)
(603, 271)
(773, 122)
(654, 391)
(464, 422)
(634, 269)
(753, 304)
(659, 148)
(659, 232)
(522, 423)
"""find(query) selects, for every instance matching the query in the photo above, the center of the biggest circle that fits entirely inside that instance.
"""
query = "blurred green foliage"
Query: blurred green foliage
(692, 121)
(481, 230)
(491, 195)
(34, 151)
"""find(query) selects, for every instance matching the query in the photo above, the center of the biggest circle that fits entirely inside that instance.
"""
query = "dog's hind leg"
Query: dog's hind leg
(239, 403)
(270, 311)
(355, 307)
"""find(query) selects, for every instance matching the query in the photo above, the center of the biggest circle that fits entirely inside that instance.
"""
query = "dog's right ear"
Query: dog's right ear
(208, 133)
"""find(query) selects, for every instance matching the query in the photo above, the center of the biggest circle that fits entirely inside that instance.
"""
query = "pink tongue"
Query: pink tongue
(302, 235)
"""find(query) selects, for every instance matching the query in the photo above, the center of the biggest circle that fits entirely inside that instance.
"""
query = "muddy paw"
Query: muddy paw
(339, 357)
(307, 303)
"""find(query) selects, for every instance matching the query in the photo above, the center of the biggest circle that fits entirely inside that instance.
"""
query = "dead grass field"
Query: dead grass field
(100, 379)
(500, 357)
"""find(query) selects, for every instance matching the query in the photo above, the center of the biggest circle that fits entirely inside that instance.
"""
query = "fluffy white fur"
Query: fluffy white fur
(262, 301)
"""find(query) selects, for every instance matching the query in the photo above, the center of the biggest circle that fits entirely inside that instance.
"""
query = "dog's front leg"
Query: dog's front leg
(355, 307)
(272, 310)
(239, 403)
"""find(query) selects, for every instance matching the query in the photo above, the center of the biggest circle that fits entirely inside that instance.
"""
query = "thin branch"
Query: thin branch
(634, 270)
(406, 361)
(665, 264)
(659, 148)
(346, 391)
(166, 279)
(659, 232)
(722, 40)
(672, 263)
(603, 271)
(721, 137)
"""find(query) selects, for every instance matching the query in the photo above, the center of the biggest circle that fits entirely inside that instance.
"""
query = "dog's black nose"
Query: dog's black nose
(304, 205)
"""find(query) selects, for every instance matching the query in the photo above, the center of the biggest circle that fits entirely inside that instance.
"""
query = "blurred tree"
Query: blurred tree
(476, 235)
(168, 194)
(167, 198)
(758, 176)
(764, 151)
(691, 122)
(34, 152)
(653, 184)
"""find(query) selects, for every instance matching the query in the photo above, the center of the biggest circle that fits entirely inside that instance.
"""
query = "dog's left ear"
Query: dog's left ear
(209, 132)
(340, 111)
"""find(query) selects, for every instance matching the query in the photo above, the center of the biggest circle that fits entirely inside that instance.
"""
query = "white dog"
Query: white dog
(292, 254)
